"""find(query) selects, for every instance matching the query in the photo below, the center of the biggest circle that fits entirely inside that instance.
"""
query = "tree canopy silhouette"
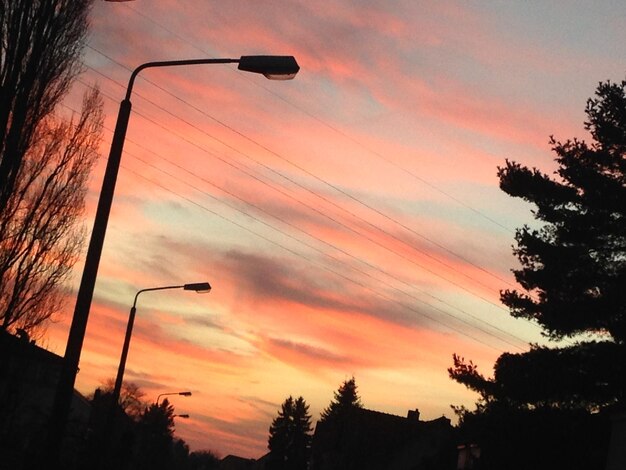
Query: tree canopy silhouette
(137, 438)
(290, 436)
(345, 399)
(573, 272)
(132, 398)
(155, 437)
(203, 460)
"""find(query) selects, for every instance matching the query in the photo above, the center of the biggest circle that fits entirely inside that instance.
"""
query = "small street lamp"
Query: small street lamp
(197, 287)
(184, 394)
(181, 416)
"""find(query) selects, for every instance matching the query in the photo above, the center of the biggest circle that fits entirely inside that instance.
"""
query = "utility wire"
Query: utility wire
(252, 176)
(349, 228)
(322, 241)
(317, 178)
(313, 262)
(323, 214)
(337, 131)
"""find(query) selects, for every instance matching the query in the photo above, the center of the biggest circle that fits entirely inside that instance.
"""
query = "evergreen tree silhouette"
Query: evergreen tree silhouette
(290, 436)
(346, 398)
(573, 272)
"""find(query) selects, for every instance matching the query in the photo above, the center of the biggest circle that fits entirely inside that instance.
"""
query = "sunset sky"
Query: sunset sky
(349, 221)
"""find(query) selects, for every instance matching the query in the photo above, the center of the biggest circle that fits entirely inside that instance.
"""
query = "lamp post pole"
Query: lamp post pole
(273, 67)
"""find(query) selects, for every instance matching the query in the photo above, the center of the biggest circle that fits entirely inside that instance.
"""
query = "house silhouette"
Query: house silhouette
(366, 439)
(28, 380)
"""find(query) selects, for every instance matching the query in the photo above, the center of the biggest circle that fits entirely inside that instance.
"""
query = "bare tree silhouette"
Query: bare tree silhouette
(39, 233)
(44, 160)
(41, 41)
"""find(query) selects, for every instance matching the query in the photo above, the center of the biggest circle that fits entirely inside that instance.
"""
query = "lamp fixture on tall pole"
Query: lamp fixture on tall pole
(272, 67)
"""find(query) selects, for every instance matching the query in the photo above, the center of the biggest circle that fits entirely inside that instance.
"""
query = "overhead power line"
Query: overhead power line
(291, 180)
(145, 117)
(441, 311)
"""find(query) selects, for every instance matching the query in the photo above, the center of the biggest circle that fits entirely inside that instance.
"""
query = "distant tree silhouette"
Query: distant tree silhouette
(39, 58)
(290, 436)
(136, 440)
(203, 460)
(346, 398)
(573, 272)
(131, 399)
(180, 455)
(155, 437)
(109, 437)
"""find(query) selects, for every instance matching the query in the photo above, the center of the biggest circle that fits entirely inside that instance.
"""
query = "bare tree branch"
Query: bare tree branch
(40, 45)
(39, 235)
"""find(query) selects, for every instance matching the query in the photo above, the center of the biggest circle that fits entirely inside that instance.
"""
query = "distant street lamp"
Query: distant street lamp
(197, 287)
(184, 394)
(272, 67)
(180, 416)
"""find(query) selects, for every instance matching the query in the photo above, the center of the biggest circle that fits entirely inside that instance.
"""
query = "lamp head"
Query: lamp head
(199, 287)
(274, 67)
(185, 394)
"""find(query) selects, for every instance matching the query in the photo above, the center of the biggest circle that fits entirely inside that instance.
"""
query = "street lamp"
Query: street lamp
(198, 287)
(184, 394)
(273, 67)
(181, 416)
(110, 417)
